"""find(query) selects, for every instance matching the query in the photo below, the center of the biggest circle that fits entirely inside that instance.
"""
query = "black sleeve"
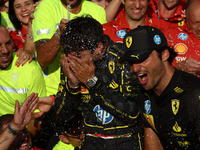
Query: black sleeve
(116, 93)
(67, 100)
(194, 109)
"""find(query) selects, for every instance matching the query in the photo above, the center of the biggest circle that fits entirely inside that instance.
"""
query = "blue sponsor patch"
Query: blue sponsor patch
(103, 115)
(183, 36)
(121, 33)
(157, 39)
(147, 106)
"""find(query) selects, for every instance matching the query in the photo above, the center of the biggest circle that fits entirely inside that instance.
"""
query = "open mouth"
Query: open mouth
(136, 11)
(143, 78)
(4, 58)
(24, 145)
(26, 15)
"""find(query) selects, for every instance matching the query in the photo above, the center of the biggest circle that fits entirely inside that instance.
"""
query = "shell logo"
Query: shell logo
(181, 48)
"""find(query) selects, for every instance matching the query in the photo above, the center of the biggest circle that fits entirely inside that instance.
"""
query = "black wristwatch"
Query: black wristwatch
(91, 82)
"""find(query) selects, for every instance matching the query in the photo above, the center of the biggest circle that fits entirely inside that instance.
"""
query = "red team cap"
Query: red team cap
(139, 43)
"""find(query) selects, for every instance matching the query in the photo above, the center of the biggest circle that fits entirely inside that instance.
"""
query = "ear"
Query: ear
(123, 1)
(64, 139)
(99, 49)
(165, 55)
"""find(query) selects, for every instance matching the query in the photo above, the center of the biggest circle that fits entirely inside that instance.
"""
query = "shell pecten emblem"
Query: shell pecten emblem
(181, 48)
(128, 41)
(176, 127)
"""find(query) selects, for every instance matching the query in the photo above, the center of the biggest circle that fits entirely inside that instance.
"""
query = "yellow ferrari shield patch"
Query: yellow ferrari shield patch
(128, 41)
(111, 66)
(175, 105)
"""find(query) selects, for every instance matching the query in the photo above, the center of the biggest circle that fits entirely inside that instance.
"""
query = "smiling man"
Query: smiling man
(16, 82)
(166, 13)
(170, 98)
(193, 17)
(133, 14)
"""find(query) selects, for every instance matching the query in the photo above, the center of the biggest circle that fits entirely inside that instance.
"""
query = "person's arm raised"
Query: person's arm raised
(22, 116)
(111, 9)
(47, 49)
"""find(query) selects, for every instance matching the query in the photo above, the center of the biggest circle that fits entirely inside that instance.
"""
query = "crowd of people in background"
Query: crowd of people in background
(99, 74)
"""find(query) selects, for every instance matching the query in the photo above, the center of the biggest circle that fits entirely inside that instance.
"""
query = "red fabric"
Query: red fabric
(184, 42)
(35, 148)
(120, 12)
(17, 39)
(53, 99)
(159, 22)
(118, 28)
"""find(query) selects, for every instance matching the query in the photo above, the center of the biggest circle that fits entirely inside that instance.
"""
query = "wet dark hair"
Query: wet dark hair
(12, 16)
(172, 53)
(5, 119)
(82, 33)
(17, 24)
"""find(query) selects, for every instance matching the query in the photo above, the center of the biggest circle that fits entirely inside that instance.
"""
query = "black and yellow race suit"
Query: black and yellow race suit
(110, 111)
(175, 114)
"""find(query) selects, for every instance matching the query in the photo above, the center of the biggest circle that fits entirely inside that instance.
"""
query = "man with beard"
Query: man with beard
(48, 25)
(169, 99)
(16, 82)
(105, 91)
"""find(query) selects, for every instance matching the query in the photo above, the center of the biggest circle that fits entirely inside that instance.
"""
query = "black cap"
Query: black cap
(139, 43)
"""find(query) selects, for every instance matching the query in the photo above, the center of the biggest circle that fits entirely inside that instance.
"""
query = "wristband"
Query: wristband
(57, 34)
(53, 99)
(74, 86)
(14, 132)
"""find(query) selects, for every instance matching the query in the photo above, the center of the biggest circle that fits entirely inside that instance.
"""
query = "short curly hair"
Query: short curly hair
(82, 33)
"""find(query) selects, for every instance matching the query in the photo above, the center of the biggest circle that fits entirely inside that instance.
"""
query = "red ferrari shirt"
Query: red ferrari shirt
(185, 43)
(18, 37)
(159, 21)
(117, 29)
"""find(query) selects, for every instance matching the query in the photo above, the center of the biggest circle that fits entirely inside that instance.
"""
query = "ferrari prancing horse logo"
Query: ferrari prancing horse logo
(175, 105)
(128, 41)
(111, 66)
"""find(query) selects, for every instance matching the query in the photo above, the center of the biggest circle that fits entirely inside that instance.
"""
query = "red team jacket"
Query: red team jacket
(178, 36)
(117, 29)
(185, 43)
(158, 20)
(18, 39)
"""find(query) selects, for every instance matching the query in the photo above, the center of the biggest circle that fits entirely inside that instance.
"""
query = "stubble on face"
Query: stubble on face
(171, 4)
(72, 3)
